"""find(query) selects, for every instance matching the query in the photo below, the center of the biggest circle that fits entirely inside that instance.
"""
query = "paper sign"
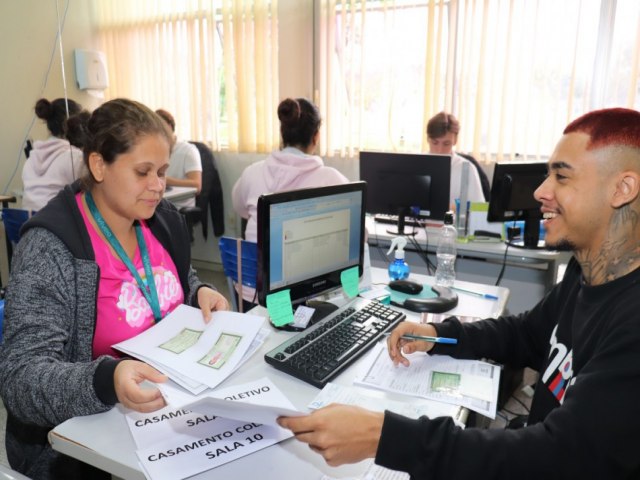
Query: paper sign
(257, 400)
(349, 279)
(178, 442)
(279, 308)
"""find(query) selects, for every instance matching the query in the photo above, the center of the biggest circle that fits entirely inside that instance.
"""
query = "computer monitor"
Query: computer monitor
(406, 184)
(512, 199)
(307, 238)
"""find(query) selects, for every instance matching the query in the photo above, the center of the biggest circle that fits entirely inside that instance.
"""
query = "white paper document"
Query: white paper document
(376, 401)
(178, 442)
(191, 352)
(374, 472)
(469, 383)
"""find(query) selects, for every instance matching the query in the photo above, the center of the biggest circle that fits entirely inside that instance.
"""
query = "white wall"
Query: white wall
(28, 31)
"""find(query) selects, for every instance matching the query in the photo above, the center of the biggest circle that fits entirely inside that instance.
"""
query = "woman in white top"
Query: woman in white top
(54, 162)
(442, 135)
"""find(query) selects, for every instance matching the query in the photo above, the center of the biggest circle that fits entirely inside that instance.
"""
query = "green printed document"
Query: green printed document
(194, 354)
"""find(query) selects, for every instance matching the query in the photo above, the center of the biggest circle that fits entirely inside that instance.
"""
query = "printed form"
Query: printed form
(469, 383)
(195, 354)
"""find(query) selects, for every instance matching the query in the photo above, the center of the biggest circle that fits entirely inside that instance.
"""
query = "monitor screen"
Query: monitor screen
(415, 185)
(307, 238)
(512, 197)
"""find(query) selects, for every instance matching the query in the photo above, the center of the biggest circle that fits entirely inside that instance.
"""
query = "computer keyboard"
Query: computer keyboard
(319, 353)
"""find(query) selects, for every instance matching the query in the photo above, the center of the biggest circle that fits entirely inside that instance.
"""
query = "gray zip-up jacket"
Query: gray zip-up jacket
(47, 374)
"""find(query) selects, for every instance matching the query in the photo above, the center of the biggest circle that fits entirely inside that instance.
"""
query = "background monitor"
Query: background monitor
(406, 184)
(307, 238)
(512, 198)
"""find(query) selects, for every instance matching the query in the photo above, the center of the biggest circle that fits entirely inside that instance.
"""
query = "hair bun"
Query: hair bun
(77, 131)
(289, 111)
(43, 109)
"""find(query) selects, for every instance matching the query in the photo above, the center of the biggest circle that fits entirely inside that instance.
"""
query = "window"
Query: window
(514, 72)
(209, 63)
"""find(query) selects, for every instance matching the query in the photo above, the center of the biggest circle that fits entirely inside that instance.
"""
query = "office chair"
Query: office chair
(237, 252)
(484, 179)
(209, 199)
(13, 218)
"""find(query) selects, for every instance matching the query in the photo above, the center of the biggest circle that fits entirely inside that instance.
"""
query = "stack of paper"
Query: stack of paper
(367, 398)
(194, 354)
(468, 383)
(195, 434)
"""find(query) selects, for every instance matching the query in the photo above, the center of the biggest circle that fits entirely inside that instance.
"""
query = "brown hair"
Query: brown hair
(167, 117)
(441, 124)
(299, 121)
(115, 127)
(55, 114)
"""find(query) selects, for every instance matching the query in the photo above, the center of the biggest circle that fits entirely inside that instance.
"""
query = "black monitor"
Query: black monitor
(307, 238)
(512, 199)
(406, 184)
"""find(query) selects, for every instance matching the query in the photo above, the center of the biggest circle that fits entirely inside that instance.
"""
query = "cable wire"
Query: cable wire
(44, 85)
(504, 264)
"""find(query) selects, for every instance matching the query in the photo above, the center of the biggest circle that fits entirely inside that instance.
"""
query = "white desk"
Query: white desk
(104, 440)
(174, 194)
(528, 275)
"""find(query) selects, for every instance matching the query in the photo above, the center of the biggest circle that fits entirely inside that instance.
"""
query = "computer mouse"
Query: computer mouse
(405, 286)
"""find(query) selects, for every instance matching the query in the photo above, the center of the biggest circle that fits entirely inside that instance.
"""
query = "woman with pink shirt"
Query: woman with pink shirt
(104, 260)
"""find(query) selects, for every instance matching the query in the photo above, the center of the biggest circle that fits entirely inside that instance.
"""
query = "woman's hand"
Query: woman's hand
(210, 300)
(398, 346)
(127, 378)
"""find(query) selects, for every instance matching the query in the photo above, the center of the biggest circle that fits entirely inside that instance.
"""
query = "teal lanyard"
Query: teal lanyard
(147, 288)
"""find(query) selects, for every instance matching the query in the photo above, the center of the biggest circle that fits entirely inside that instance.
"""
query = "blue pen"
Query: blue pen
(477, 294)
(408, 336)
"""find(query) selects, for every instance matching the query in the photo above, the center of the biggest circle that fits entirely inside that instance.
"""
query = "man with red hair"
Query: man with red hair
(583, 338)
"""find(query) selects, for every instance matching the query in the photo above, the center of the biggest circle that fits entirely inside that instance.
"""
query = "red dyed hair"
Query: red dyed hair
(609, 127)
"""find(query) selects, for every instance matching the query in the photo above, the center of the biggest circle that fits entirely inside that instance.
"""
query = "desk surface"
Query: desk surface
(378, 235)
(113, 449)
(7, 199)
(174, 194)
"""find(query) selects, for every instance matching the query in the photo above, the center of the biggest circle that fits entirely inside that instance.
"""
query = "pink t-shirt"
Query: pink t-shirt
(122, 309)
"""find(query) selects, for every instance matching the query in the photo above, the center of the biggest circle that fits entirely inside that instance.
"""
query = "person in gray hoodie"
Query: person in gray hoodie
(76, 288)
(54, 162)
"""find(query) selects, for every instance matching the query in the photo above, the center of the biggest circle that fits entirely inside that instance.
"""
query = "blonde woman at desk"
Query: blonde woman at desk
(103, 261)
(583, 338)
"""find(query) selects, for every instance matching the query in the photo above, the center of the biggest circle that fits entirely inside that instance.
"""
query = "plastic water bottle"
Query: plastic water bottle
(398, 269)
(446, 252)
